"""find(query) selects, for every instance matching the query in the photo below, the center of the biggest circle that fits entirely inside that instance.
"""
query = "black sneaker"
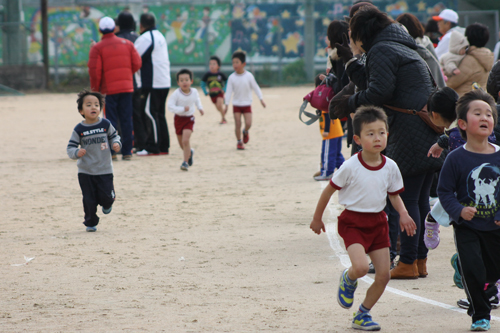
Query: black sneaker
(464, 302)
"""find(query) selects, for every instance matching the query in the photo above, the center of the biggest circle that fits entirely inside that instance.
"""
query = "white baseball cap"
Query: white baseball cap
(447, 15)
(106, 24)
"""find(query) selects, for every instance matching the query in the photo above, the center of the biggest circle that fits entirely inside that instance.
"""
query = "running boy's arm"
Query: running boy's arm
(223, 81)
(114, 138)
(203, 84)
(172, 104)
(198, 102)
(229, 92)
(72, 149)
(317, 223)
(257, 90)
(405, 221)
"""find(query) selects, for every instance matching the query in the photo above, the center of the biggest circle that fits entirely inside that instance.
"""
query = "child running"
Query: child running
(182, 103)
(215, 80)
(364, 181)
(469, 192)
(90, 144)
(241, 83)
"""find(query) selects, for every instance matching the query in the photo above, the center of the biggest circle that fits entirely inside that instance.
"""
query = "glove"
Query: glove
(344, 51)
(339, 108)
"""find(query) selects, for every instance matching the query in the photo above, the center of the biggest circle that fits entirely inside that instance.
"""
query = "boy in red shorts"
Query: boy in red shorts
(182, 103)
(364, 181)
(240, 84)
(215, 80)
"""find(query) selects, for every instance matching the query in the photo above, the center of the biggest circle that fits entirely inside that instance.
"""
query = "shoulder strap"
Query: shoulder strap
(312, 117)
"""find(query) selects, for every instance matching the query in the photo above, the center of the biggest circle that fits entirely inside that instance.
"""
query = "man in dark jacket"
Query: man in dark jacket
(126, 24)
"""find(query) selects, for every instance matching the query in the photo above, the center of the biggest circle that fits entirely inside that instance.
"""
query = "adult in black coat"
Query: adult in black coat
(395, 75)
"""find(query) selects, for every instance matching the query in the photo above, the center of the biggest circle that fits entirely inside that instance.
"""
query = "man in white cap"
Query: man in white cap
(447, 22)
(112, 64)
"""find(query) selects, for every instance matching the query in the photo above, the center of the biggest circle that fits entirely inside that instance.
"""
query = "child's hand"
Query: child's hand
(435, 151)
(456, 71)
(322, 76)
(317, 226)
(468, 213)
(262, 102)
(407, 224)
(201, 112)
(325, 134)
(81, 152)
(186, 108)
(116, 147)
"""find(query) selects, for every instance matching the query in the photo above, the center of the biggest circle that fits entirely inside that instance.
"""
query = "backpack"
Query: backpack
(319, 99)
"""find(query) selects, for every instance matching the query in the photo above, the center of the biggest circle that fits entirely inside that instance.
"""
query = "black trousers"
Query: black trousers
(96, 190)
(479, 256)
(153, 105)
(140, 134)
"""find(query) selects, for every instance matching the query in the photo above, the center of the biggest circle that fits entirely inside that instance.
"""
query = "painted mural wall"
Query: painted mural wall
(267, 32)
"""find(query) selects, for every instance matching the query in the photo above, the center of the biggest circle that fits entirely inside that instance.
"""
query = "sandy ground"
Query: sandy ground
(224, 247)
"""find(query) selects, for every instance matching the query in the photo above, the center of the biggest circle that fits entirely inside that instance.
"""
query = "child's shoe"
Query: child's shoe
(240, 145)
(91, 229)
(246, 136)
(345, 295)
(190, 161)
(184, 166)
(431, 235)
(457, 277)
(363, 321)
(480, 325)
(106, 211)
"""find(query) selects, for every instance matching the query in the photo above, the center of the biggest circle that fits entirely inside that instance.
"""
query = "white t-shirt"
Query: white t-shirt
(363, 188)
(178, 100)
(241, 85)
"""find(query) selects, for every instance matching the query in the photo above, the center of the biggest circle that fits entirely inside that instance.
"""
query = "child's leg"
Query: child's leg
(186, 147)
(219, 104)
(88, 188)
(179, 139)
(237, 125)
(339, 158)
(381, 261)
(248, 120)
(359, 261)
(105, 190)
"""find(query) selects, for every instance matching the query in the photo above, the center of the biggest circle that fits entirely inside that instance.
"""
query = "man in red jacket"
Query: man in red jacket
(112, 63)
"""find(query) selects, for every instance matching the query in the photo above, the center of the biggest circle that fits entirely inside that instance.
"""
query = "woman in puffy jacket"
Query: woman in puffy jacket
(476, 64)
(396, 76)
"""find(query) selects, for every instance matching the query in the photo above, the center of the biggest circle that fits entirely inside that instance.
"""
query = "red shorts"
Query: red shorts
(371, 230)
(214, 98)
(182, 123)
(242, 109)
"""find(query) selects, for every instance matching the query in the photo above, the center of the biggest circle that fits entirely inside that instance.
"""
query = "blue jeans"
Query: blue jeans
(416, 200)
(119, 108)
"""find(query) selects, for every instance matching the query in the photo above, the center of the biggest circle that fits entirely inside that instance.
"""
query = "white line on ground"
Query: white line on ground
(331, 231)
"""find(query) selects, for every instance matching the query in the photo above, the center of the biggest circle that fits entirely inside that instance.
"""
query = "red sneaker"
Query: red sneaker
(240, 146)
(246, 136)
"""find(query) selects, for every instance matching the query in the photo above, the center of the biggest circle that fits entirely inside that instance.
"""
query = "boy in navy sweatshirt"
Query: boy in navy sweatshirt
(90, 144)
(469, 191)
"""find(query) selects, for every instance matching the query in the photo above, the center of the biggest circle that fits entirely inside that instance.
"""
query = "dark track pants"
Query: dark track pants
(153, 104)
(96, 190)
(479, 256)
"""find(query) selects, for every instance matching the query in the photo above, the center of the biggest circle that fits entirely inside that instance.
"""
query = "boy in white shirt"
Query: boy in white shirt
(363, 182)
(182, 103)
(241, 83)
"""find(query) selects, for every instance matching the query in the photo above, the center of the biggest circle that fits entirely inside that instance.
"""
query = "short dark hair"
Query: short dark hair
(367, 115)
(240, 55)
(335, 31)
(216, 58)
(148, 20)
(84, 93)
(367, 23)
(477, 34)
(125, 21)
(184, 71)
(412, 24)
(464, 103)
(443, 101)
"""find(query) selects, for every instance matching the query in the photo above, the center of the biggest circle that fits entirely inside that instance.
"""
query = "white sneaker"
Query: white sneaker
(319, 178)
(143, 152)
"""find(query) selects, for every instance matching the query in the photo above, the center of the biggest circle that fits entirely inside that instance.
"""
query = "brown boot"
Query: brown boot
(405, 271)
(422, 267)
